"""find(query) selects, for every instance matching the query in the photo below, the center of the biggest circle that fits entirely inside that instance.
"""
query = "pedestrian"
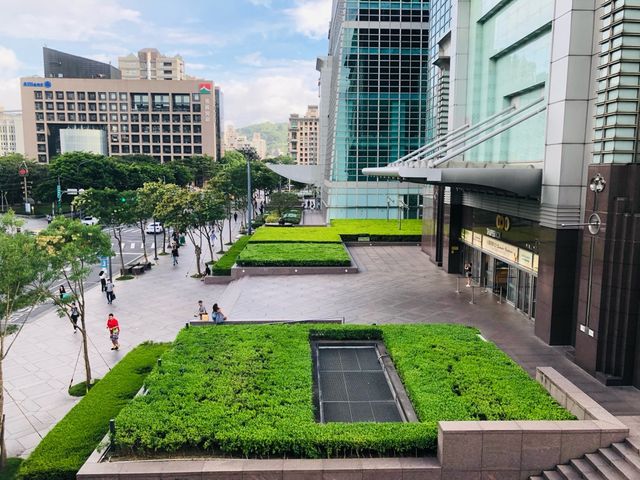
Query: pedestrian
(109, 289)
(262, 208)
(74, 314)
(62, 291)
(103, 280)
(174, 254)
(114, 331)
(218, 315)
(175, 238)
(207, 272)
(468, 273)
(235, 217)
(202, 312)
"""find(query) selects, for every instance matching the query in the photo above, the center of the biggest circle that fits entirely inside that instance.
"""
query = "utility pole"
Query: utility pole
(23, 171)
(59, 195)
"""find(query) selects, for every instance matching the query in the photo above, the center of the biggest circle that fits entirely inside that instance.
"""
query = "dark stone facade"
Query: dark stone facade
(609, 294)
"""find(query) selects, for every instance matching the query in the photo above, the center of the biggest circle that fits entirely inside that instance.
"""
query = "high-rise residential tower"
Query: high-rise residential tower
(303, 137)
(11, 136)
(378, 59)
(150, 64)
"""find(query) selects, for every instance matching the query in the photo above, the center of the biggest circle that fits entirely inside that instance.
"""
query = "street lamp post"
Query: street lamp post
(155, 241)
(249, 197)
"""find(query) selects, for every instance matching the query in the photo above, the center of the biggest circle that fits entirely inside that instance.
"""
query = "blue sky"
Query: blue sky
(261, 52)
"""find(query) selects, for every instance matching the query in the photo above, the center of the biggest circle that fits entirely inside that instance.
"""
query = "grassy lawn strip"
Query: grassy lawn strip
(247, 390)
(296, 235)
(223, 266)
(294, 255)
(62, 452)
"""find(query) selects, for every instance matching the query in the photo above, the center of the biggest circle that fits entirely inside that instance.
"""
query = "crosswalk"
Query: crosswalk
(134, 245)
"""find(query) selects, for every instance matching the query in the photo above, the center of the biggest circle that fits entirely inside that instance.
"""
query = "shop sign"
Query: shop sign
(500, 249)
(525, 259)
(503, 223)
(477, 239)
(467, 236)
(535, 263)
(45, 84)
(493, 234)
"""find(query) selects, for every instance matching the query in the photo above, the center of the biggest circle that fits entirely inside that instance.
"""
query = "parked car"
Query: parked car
(89, 221)
(154, 227)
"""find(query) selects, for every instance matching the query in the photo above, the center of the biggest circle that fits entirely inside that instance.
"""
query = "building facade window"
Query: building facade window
(139, 102)
(160, 102)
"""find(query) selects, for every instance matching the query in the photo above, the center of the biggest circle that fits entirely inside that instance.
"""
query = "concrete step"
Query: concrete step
(537, 477)
(602, 466)
(619, 463)
(629, 453)
(568, 472)
(634, 443)
(585, 469)
(551, 475)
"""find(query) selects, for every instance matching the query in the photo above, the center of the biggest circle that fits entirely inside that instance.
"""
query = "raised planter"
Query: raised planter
(466, 450)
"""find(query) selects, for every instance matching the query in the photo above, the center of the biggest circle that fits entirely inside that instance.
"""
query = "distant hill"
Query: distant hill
(274, 133)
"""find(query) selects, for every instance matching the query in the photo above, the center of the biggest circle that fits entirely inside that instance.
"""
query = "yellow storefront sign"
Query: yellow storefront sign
(477, 239)
(467, 236)
(500, 249)
(525, 259)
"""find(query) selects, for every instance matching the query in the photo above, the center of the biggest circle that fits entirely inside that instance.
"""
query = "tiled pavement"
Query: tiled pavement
(396, 285)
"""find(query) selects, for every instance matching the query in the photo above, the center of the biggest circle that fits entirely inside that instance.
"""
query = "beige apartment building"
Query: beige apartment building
(150, 64)
(303, 137)
(236, 141)
(11, 136)
(167, 120)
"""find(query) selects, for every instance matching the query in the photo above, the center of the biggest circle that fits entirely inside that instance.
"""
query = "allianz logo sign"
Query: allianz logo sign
(45, 84)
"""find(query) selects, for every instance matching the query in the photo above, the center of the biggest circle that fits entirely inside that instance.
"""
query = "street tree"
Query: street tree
(68, 249)
(149, 197)
(282, 201)
(20, 264)
(114, 210)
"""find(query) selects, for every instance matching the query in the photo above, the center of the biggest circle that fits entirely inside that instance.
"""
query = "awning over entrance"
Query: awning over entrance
(426, 164)
(524, 182)
(309, 174)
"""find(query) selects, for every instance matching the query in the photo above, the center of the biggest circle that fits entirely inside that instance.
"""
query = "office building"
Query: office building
(536, 175)
(11, 134)
(378, 58)
(150, 64)
(236, 141)
(64, 65)
(167, 120)
(303, 137)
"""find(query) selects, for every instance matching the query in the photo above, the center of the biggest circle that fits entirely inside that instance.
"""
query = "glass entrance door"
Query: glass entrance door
(500, 277)
(512, 285)
(524, 292)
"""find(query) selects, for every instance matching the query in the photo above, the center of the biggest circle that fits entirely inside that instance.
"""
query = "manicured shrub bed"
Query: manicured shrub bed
(223, 266)
(294, 255)
(296, 235)
(62, 452)
(378, 227)
(247, 390)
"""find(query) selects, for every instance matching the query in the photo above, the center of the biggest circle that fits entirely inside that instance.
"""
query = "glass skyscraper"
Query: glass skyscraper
(378, 59)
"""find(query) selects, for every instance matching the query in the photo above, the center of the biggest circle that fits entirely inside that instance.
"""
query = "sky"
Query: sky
(261, 53)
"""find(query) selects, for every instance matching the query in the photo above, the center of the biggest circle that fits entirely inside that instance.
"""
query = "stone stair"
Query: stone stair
(620, 461)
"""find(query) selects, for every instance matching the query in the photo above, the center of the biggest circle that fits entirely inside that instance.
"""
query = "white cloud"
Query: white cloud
(9, 79)
(254, 59)
(311, 17)
(63, 20)
(270, 94)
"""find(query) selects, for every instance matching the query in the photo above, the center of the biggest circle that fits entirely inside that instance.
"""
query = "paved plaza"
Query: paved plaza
(396, 285)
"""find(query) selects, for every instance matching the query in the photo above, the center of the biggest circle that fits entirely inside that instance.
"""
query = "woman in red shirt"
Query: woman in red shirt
(114, 331)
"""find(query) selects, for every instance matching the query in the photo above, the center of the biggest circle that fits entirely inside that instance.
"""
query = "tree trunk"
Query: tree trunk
(3, 449)
(230, 237)
(85, 351)
(164, 240)
(221, 239)
(144, 241)
(118, 234)
(198, 254)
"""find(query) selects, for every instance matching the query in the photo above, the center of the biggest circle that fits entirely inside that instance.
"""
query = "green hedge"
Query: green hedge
(64, 450)
(248, 389)
(294, 255)
(296, 235)
(223, 266)
(378, 227)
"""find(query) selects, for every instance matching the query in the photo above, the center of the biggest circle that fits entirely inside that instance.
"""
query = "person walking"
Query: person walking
(235, 217)
(468, 273)
(174, 254)
(109, 289)
(103, 280)
(114, 331)
(74, 313)
(62, 291)
(218, 314)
